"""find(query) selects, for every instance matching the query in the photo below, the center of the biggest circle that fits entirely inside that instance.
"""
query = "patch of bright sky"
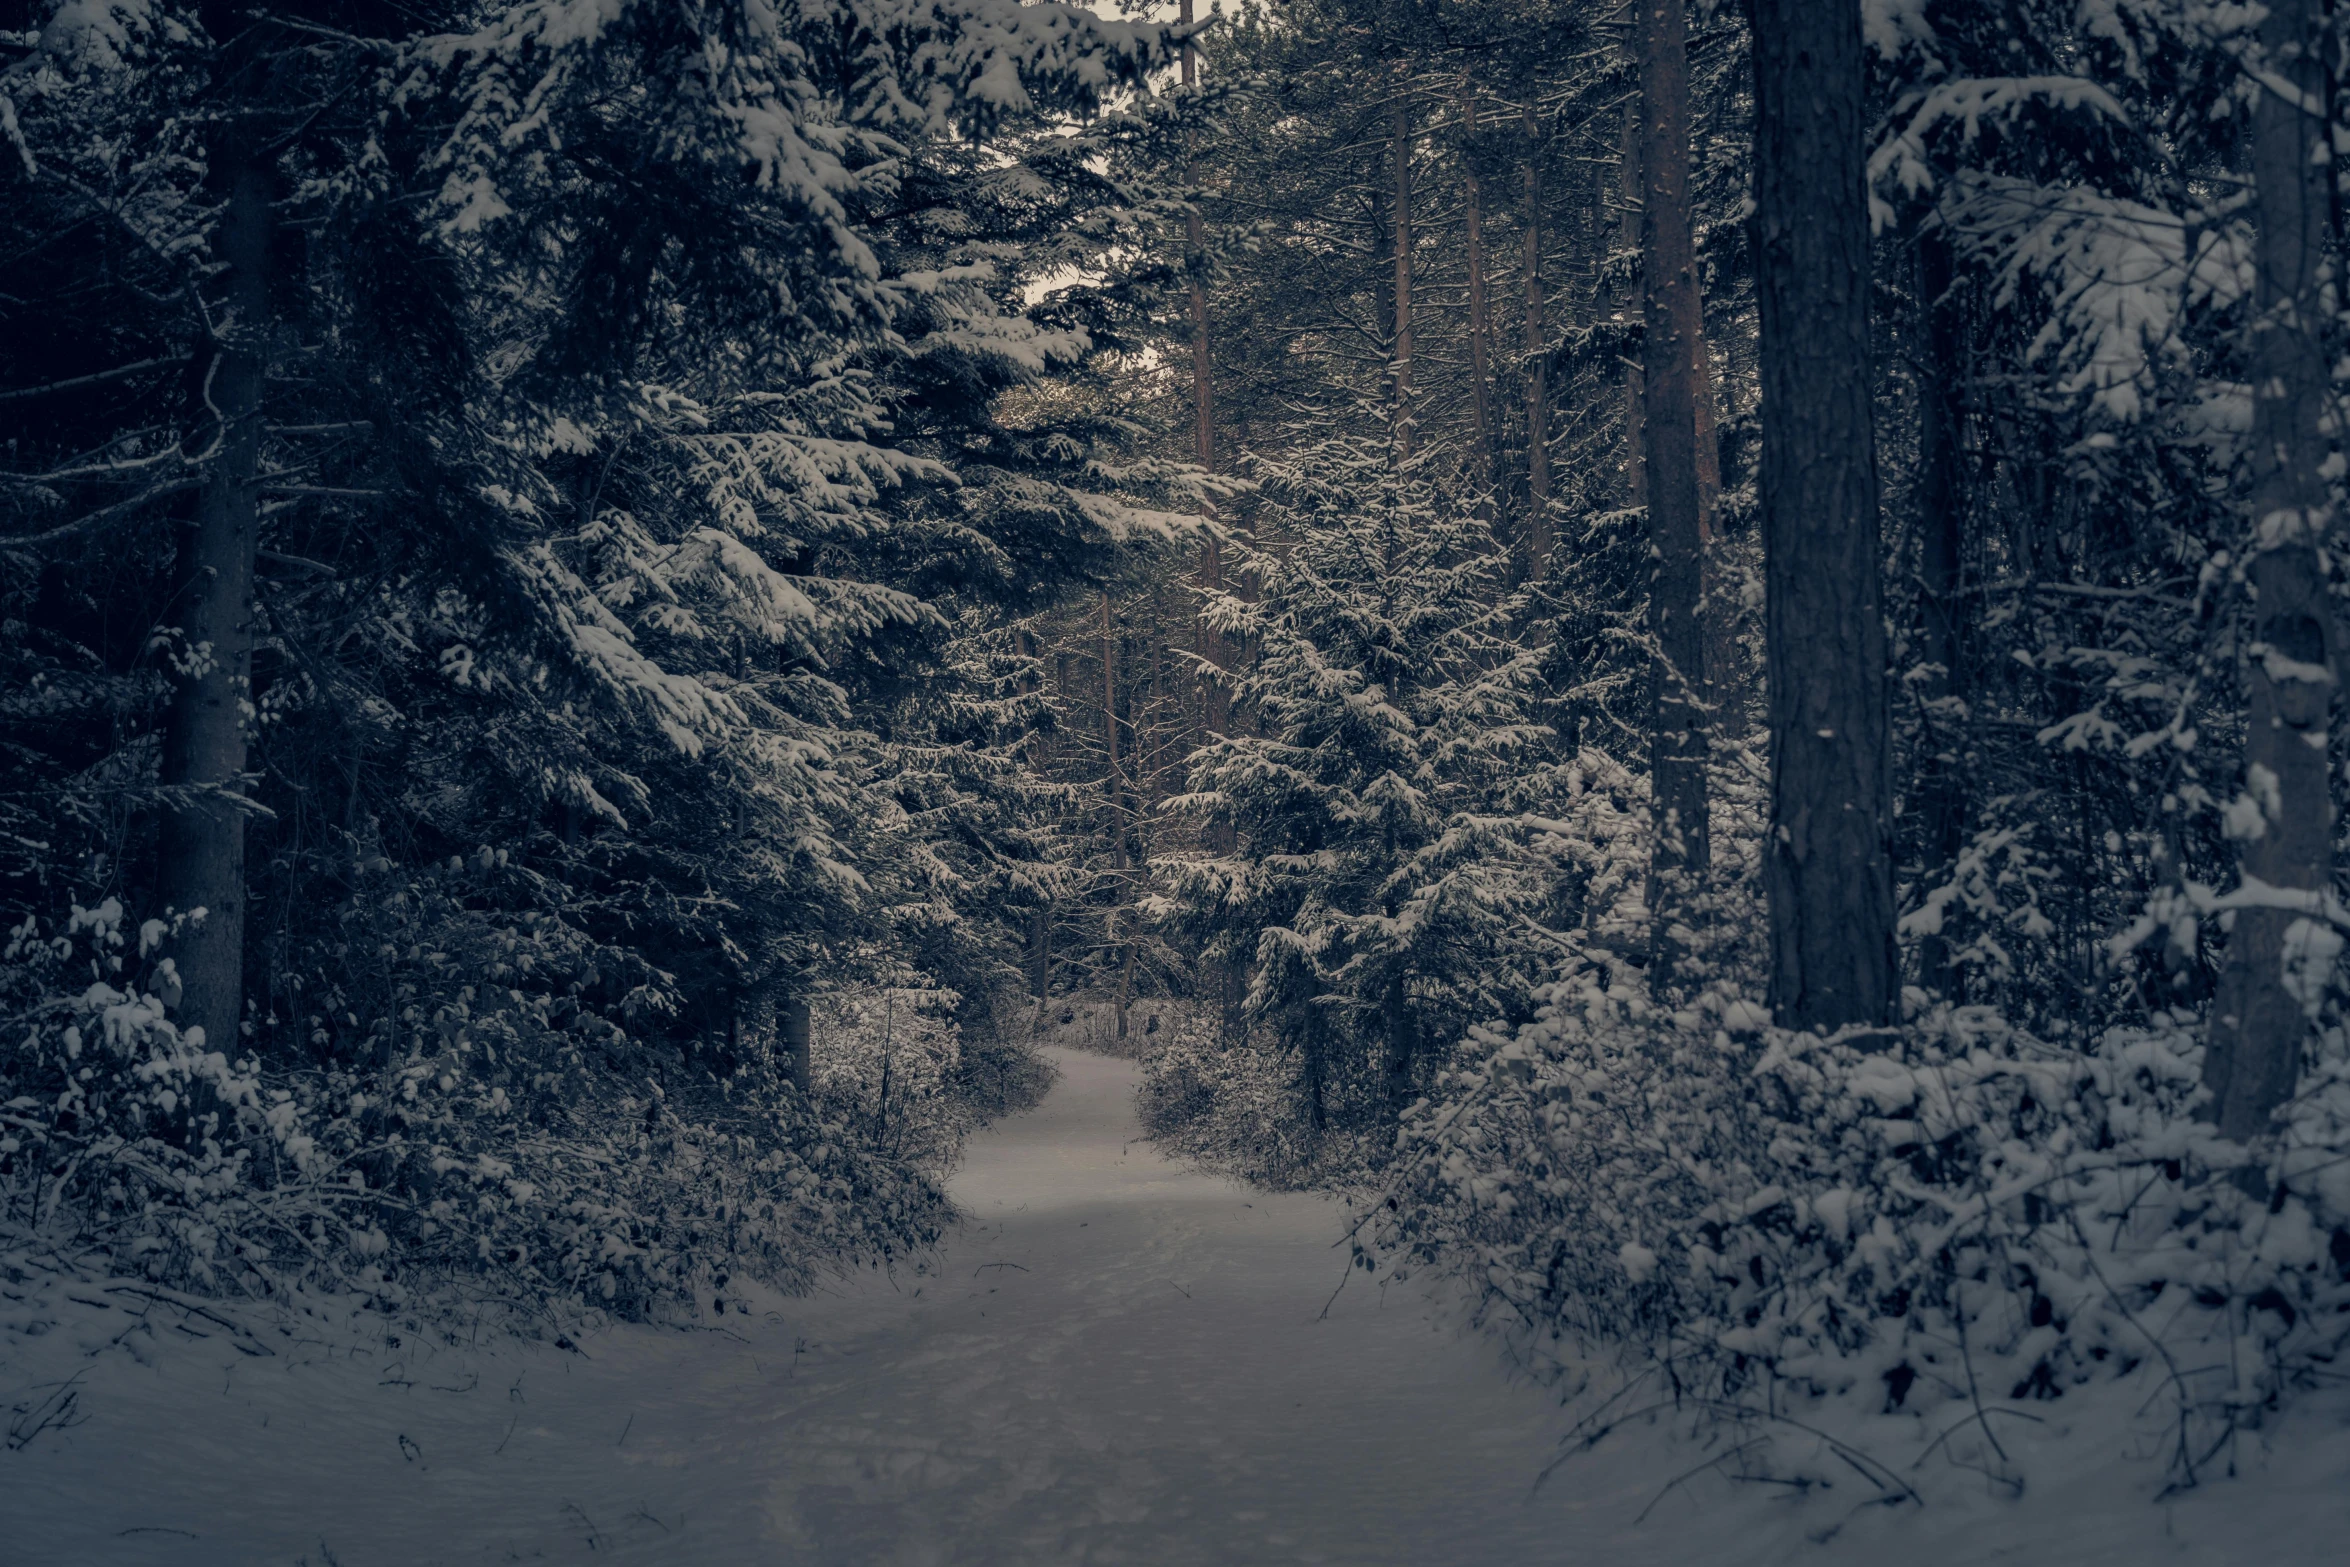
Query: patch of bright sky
(1040, 288)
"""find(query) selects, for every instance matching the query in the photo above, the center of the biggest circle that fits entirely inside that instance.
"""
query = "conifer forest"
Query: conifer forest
(1356, 781)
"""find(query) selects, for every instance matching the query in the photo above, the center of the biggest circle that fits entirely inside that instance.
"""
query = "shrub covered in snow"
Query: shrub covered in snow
(499, 1142)
(1945, 1219)
(1238, 1108)
(893, 1063)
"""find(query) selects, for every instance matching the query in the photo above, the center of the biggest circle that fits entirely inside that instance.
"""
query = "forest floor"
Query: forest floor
(1112, 1360)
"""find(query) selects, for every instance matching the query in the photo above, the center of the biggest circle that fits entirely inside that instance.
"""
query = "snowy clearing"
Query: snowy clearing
(1112, 1360)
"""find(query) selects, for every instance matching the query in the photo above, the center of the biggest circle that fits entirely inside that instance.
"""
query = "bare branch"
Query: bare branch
(103, 514)
(73, 382)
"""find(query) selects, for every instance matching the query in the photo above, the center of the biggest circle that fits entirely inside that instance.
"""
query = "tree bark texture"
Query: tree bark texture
(201, 843)
(1117, 791)
(1040, 954)
(1628, 194)
(1405, 434)
(1729, 666)
(1537, 533)
(1400, 1041)
(1828, 864)
(794, 1040)
(1679, 846)
(1040, 928)
(1480, 322)
(1941, 524)
(1214, 704)
(1709, 441)
(2259, 1024)
(1195, 236)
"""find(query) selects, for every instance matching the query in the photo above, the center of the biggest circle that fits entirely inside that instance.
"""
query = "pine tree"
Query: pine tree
(1379, 862)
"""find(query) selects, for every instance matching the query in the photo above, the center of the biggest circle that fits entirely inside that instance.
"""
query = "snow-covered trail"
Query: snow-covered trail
(1113, 1360)
(1126, 1362)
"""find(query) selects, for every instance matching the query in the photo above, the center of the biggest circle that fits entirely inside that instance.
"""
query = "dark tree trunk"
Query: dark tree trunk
(1040, 954)
(1827, 863)
(2258, 1025)
(1211, 557)
(201, 843)
(1537, 534)
(1401, 1043)
(1709, 443)
(1203, 410)
(1405, 433)
(1628, 195)
(1942, 794)
(1040, 919)
(793, 1042)
(1480, 323)
(1215, 702)
(1680, 845)
(1729, 668)
(1116, 782)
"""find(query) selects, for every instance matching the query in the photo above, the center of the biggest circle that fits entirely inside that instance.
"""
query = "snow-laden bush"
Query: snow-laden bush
(1088, 1020)
(1949, 1220)
(1239, 1109)
(497, 1145)
(1552, 877)
(893, 1062)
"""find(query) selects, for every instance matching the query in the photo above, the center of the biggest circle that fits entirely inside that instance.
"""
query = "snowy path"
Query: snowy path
(1122, 1362)
(1115, 1361)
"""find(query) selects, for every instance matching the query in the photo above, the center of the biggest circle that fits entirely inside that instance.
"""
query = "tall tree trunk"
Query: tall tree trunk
(1480, 324)
(1040, 954)
(201, 843)
(793, 1040)
(1827, 862)
(1203, 427)
(1215, 702)
(1941, 521)
(1040, 919)
(1214, 717)
(1537, 535)
(1628, 196)
(1405, 434)
(2259, 1025)
(1680, 844)
(1709, 441)
(1401, 1042)
(1729, 670)
(1117, 791)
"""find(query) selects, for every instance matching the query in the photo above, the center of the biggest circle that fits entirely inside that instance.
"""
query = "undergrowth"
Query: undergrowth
(496, 1144)
(1956, 1219)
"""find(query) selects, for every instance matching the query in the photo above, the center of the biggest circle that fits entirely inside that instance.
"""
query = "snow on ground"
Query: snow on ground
(1113, 1360)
